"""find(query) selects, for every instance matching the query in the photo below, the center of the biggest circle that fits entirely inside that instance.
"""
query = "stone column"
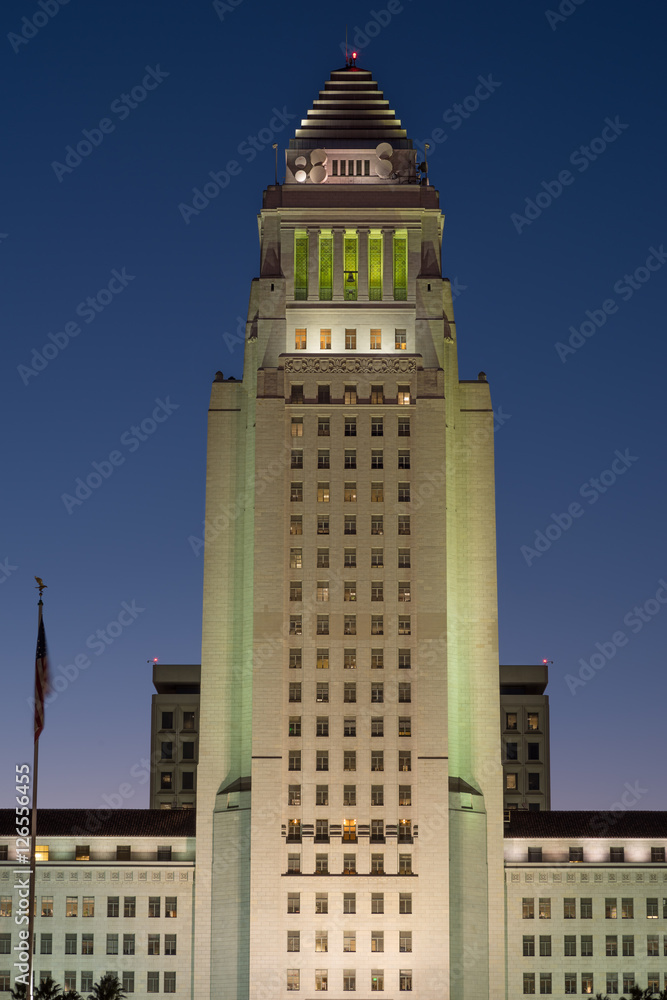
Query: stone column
(287, 260)
(362, 264)
(338, 275)
(388, 264)
(313, 265)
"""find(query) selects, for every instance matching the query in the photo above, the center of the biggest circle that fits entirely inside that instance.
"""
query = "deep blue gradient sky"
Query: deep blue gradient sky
(167, 330)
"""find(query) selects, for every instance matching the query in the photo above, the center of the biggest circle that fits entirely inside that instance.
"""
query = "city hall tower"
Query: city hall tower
(349, 800)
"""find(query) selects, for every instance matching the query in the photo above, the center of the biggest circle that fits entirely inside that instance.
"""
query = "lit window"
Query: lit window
(350, 396)
(295, 692)
(322, 590)
(350, 341)
(295, 557)
(350, 659)
(296, 525)
(323, 493)
(532, 721)
(404, 592)
(321, 940)
(404, 395)
(295, 627)
(325, 340)
(627, 909)
(72, 906)
(350, 262)
(404, 626)
(299, 340)
(511, 782)
(323, 656)
(293, 979)
(652, 908)
(88, 906)
(349, 591)
(528, 908)
(587, 982)
(400, 341)
(350, 493)
(377, 394)
(41, 852)
(47, 907)
(545, 908)
(294, 729)
(321, 975)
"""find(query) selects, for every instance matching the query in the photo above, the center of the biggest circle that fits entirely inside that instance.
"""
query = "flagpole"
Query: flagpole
(41, 683)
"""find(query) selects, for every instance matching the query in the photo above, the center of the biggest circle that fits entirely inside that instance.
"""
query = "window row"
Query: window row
(323, 626)
(349, 980)
(349, 864)
(349, 589)
(349, 759)
(317, 247)
(127, 981)
(350, 662)
(169, 750)
(350, 459)
(350, 423)
(542, 982)
(532, 785)
(350, 795)
(82, 852)
(168, 783)
(322, 726)
(348, 831)
(377, 941)
(116, 944)
(352, 343)
(349, 902)
(350, 524)
(87, 909)
(350, 397)
(533, 751)
(627, 908)
(377, 693)
(611, 945)
(296, 560)
(188, 720)
(532, 721)
(323, 493)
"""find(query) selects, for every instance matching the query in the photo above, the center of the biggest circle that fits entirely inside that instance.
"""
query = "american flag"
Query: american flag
(41, 679)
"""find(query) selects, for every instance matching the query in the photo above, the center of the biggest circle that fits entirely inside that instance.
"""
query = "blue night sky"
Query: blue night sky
(139, 307)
